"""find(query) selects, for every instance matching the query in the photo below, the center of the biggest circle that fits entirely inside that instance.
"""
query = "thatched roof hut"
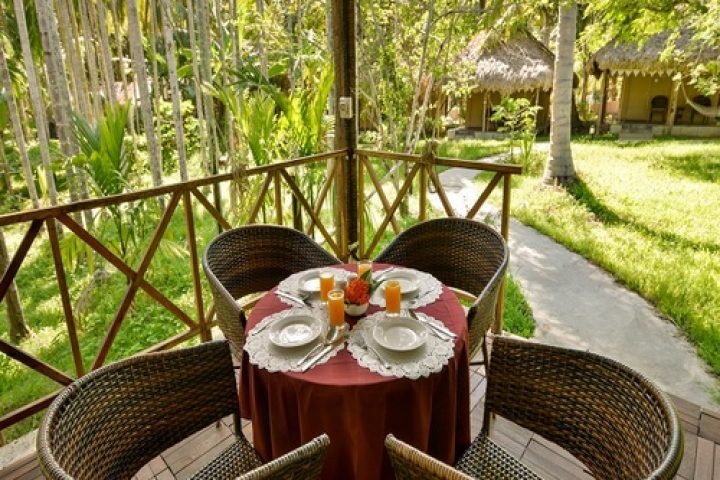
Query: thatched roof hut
(517, 64)
(648, 58)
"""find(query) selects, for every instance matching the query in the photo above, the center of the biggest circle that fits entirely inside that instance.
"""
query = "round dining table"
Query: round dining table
(357, 408)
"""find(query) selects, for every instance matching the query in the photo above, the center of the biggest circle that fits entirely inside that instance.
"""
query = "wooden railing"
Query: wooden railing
(277, 187)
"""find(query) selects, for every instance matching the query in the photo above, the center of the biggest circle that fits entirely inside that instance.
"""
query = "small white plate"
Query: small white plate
(309, 283)
(408, 281)
(400, 334)
(294, 330)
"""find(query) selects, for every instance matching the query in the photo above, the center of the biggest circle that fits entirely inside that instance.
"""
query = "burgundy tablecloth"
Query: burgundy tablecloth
(358, 408)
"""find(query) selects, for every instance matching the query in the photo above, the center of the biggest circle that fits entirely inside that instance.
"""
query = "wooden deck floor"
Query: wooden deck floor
(701, 460)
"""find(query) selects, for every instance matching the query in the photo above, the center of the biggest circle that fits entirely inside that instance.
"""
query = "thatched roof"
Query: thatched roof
(520, 63)
(648, 58)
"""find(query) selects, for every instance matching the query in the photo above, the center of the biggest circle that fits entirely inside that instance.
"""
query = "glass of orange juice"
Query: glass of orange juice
(336, 307)
(327, 283)
(392, 298)
(364, 266)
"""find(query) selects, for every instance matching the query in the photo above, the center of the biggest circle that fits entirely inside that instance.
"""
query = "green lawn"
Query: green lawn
(648, 214)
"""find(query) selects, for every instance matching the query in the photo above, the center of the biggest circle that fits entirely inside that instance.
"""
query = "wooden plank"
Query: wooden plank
(687, 465)
(174, 188)
(440, 190)
(380, 193)
(278, 200)
(211, 209)
(484, 196)
(184, 453)
(716, 463)
(255, 210)
(505, 232)
(34, 363)
(308, 208)
(25, 411)
(704, 459)
(393, 208)
(98, 247)
(709, 427)
(422, 193)
(195, 265)
(323, 193)
(539, 455)
(18, 258)
(132, 289)
(65, 297)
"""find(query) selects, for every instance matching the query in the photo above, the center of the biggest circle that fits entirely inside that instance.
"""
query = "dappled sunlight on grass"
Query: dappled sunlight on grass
(652, 226)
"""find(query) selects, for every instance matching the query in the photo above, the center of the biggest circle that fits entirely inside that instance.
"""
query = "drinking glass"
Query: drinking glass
(327, 282)
(363, 266)
(336, 307)
(392, 298)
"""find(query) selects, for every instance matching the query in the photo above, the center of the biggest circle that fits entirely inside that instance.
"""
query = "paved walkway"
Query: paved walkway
(577, 304)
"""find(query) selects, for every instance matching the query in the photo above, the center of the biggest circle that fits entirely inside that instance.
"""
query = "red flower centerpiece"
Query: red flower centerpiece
(357, 296)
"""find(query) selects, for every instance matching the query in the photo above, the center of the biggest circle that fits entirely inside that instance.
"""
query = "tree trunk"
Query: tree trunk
(138, 61)
(199, 106)
(6, 178)
(16, 123)
(105, 50)
(174, 89)
(418, 83)
(17, 327)
(260, 7)
(72, 49)
(90, 58)
(559, 166)
(37, 102)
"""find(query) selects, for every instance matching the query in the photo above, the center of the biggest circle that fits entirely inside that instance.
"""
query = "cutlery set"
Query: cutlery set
(338, 336)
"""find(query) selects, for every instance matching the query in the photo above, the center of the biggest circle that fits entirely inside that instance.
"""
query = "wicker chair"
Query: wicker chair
(254, 259)
(608, 416)
(111, 422)
(463, 254)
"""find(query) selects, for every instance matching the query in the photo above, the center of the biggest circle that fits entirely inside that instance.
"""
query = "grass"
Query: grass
(648, 214)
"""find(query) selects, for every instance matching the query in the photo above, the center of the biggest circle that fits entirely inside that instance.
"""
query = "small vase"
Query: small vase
(356, 310)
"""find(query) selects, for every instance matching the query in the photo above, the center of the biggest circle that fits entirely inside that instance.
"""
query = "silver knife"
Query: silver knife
(291, 297)
(436, 328)
(325, 350)
(377, 354)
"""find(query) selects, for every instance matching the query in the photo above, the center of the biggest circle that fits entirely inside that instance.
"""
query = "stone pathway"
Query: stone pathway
(577, 304)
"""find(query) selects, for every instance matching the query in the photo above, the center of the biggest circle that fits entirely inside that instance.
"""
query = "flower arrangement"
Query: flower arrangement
(357, 294)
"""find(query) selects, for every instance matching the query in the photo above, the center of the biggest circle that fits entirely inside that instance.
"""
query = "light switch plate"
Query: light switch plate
(345, 107)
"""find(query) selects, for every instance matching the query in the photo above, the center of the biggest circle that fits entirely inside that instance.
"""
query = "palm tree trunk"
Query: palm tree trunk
(16, 123)
(17, 327)
(199, 106)
(138, 61)
(72, 49)
(421, 70)
(36, 100)
(174, 89)
(559, 167)
(105, 50)
(260, 7)
(6, 178)
(90, 58)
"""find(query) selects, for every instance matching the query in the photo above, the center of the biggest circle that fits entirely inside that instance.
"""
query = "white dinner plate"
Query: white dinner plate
(400, 334)
(408, 281)
(294, 330)
(309, 282)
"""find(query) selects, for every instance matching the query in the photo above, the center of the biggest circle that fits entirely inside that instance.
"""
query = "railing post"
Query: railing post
(192, 246)
(505, 232)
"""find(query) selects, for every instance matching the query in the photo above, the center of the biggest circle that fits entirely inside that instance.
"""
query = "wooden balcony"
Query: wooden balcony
(701, 461)
(278, 196)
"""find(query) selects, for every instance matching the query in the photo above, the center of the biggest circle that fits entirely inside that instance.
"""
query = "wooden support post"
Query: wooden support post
(343, 29)
(603, 101)
(672, 108)
(194, 262)
(505, 232)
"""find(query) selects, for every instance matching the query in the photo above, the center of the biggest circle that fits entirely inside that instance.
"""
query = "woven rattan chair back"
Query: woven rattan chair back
(609, 417)
(252, 259)
(410, 463)
(111, 422)
(461, 253)
(303, 463)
